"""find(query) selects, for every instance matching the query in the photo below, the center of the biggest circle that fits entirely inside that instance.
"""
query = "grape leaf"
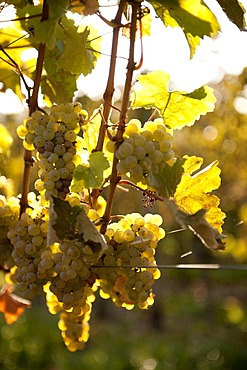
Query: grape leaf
(62, 220)
(86, 7)
(76, 57)
(90, 176)
(11, 305)
(91, 237)
(201, 228)
(177, 108)
(193, 16)
(170, 177)
(193, 193)
(59, 86)
(13, 43)
(40, 30)
(235, 12)
(67, 222)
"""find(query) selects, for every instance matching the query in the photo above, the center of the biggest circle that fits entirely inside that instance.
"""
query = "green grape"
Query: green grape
(150, 145)
(33, 229)
(38, 130)
(156, 156)
(54, 136)
(48, 134)
(49, 184)
(59, 149)
(28, 240)
(29, 138)
(70, 135)
(30, 125)
(68, 157)
(140, 140)
(124, 150)
(53, 158)
(39, 141)
(64, 172)
(132, 241)
(130, 162)
(139, 152)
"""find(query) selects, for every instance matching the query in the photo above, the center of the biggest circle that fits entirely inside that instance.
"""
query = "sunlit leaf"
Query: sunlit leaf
(194, 192)
(177, 108)
(76, 58)
(13, 43)
(59, 86)
(11, 305)
(193, 16)
(91, 175)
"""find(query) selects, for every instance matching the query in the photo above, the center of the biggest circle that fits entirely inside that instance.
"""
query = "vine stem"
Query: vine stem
(109, 91)
(114, 179)
(33, 105)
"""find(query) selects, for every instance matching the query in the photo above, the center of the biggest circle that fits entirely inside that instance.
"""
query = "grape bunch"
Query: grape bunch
(145, 150)
(70, 290)
(132, 242)
(28, 236)
(75, 327)
(9, 212)
(72, 276)
(55, 137)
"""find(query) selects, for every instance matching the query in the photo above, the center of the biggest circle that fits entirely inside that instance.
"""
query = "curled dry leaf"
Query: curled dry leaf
(209, 236)
(11, 305)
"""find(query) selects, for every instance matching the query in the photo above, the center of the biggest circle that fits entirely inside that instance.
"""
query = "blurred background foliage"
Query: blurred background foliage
(199, 319)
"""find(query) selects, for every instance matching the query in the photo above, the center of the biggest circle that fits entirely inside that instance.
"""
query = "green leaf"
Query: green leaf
(59, 86)
(177, 108)
(76, 58)
(195, 18)
(235, 12)
(170, 177)
(92, 175)
(91, 237)
(12, 46)
(11, 80)
(67, 222)
(63, 218)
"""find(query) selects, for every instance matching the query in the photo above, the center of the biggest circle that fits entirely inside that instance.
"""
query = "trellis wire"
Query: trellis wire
(189, 266)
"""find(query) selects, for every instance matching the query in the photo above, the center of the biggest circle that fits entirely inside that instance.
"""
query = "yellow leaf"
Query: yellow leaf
(193, 193)
(178, 109)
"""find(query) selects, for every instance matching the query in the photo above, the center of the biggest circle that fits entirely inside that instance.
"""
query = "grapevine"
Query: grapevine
(60, 237)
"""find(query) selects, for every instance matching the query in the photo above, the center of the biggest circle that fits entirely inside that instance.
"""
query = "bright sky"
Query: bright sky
(167, 50)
